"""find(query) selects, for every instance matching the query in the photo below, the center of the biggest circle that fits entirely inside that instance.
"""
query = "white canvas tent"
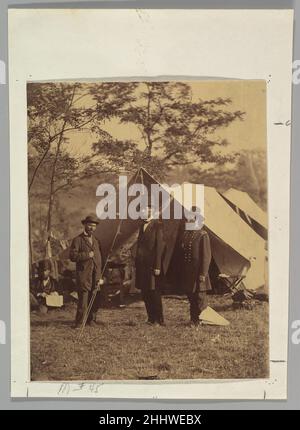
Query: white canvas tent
(236, 248)
(246, 207)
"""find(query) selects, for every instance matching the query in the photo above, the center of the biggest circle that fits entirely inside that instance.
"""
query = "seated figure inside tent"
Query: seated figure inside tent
(44, 286)
(196, 258)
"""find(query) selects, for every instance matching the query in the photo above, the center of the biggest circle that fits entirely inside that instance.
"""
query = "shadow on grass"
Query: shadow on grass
(222, 307)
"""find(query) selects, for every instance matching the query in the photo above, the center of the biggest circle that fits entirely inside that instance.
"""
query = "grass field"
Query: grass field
(124, 347)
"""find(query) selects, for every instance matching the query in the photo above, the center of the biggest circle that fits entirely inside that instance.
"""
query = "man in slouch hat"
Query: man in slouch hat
(86, 253)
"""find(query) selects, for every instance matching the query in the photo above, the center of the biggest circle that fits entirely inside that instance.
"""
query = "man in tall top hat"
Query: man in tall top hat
(86, 253)
(148, 264)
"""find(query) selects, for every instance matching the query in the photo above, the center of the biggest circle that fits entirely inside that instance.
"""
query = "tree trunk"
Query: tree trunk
(48, 253)
(38, 166)
(148, 132)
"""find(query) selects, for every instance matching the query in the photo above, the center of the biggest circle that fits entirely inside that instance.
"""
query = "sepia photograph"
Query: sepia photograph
(148, 230)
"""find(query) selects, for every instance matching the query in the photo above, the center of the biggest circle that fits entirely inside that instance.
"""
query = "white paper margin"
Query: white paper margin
(95, 44)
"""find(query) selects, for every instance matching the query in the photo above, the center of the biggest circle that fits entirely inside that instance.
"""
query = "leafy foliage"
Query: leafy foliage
(174, 130)
(248, 172)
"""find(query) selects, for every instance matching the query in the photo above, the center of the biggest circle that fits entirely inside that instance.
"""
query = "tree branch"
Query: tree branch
(80, 178)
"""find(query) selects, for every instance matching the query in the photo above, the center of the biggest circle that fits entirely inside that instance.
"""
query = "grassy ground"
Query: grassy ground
(124, 347)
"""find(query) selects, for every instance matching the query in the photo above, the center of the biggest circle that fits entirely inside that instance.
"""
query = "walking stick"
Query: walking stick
(95, 291)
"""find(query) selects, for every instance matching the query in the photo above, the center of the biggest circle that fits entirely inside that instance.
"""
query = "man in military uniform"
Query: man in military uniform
(196, 258)
(150, 246)
(86, 253)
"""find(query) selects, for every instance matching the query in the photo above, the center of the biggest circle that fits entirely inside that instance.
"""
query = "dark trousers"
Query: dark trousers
(198, 302)
(84, 298)
(153, 304)
(121, 295)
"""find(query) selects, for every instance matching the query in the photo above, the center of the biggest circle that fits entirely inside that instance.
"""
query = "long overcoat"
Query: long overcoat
(196, 258)
(149, 253)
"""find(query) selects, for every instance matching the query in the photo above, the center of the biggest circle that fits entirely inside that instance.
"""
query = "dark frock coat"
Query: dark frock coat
(196, 258)
(88, 269)
(149, 252)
